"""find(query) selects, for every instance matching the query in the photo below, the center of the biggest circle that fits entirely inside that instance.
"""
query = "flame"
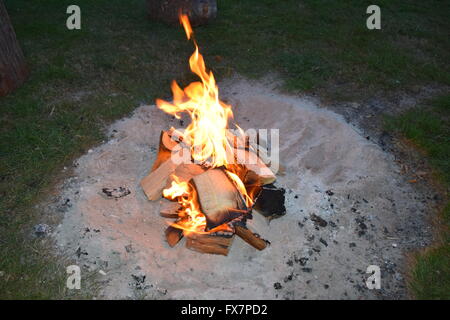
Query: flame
(186, 196)
(184, 20)
(241, 187)
(206, 136)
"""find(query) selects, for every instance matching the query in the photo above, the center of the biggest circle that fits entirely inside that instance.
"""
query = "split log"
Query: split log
(163, 153)
(167, 141)
(175, 134)
(218, 197)
(13, 69)
(187, 171)
(215, 243)
(249, 237)
(156, 181)
(258, 173)
(173, 235)
(262, 153)
(270, 202)
(168, 209)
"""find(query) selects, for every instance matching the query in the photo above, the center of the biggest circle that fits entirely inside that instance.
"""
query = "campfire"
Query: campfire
(211, 177)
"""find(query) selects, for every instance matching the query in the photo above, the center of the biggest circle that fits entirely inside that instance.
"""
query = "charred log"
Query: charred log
(270, 202)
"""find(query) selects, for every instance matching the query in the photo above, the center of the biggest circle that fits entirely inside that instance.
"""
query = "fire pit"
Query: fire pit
(345, 202)
(210, 176)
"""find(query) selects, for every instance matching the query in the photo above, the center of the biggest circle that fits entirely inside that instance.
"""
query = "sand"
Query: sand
(373, 215)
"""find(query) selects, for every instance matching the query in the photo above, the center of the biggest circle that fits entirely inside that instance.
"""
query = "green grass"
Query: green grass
(82, 80)
(429, 128)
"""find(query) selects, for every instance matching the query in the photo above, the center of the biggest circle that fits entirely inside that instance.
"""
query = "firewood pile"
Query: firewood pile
(218, 196)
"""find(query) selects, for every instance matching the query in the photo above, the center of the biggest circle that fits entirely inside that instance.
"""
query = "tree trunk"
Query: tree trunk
(199, 11)
(13, 70)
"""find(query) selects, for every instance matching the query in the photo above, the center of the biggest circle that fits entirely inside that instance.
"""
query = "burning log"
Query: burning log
(167, 141)
(187, 171)
(258, 173)
(215, 243)
(238, 142)
(218, 197)
(156, 181)
(168, 209)
(213, 195)
(173, 235)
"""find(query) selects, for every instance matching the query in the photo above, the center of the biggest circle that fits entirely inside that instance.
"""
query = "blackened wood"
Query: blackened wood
(13, 70)
(199, 11)
(270, 202)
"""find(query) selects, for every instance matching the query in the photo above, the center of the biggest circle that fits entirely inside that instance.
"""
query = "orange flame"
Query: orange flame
(184, 20)
(186, 196)
(241, 187)
(206, 135)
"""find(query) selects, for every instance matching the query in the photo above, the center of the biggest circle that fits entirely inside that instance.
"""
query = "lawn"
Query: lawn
(428, 127)
(82, 80)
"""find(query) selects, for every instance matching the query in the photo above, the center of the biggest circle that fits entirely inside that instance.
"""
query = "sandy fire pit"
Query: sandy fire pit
(347, 208)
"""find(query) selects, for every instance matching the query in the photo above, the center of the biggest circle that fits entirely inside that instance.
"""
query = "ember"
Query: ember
(209, 175)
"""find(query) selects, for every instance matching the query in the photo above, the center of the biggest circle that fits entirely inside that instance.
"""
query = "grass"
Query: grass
(429, 128)
(82, 80)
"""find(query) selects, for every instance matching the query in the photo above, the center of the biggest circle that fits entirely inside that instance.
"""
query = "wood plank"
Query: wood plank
(173, 235)
(167, 141)
(249, 237)
(237, 142)
(175, 134)
(262, 152)
(168, 209)
(186, 171)
(217, 197)
(216, 243)
(258, 172)
(163, 153)
(156, 181)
